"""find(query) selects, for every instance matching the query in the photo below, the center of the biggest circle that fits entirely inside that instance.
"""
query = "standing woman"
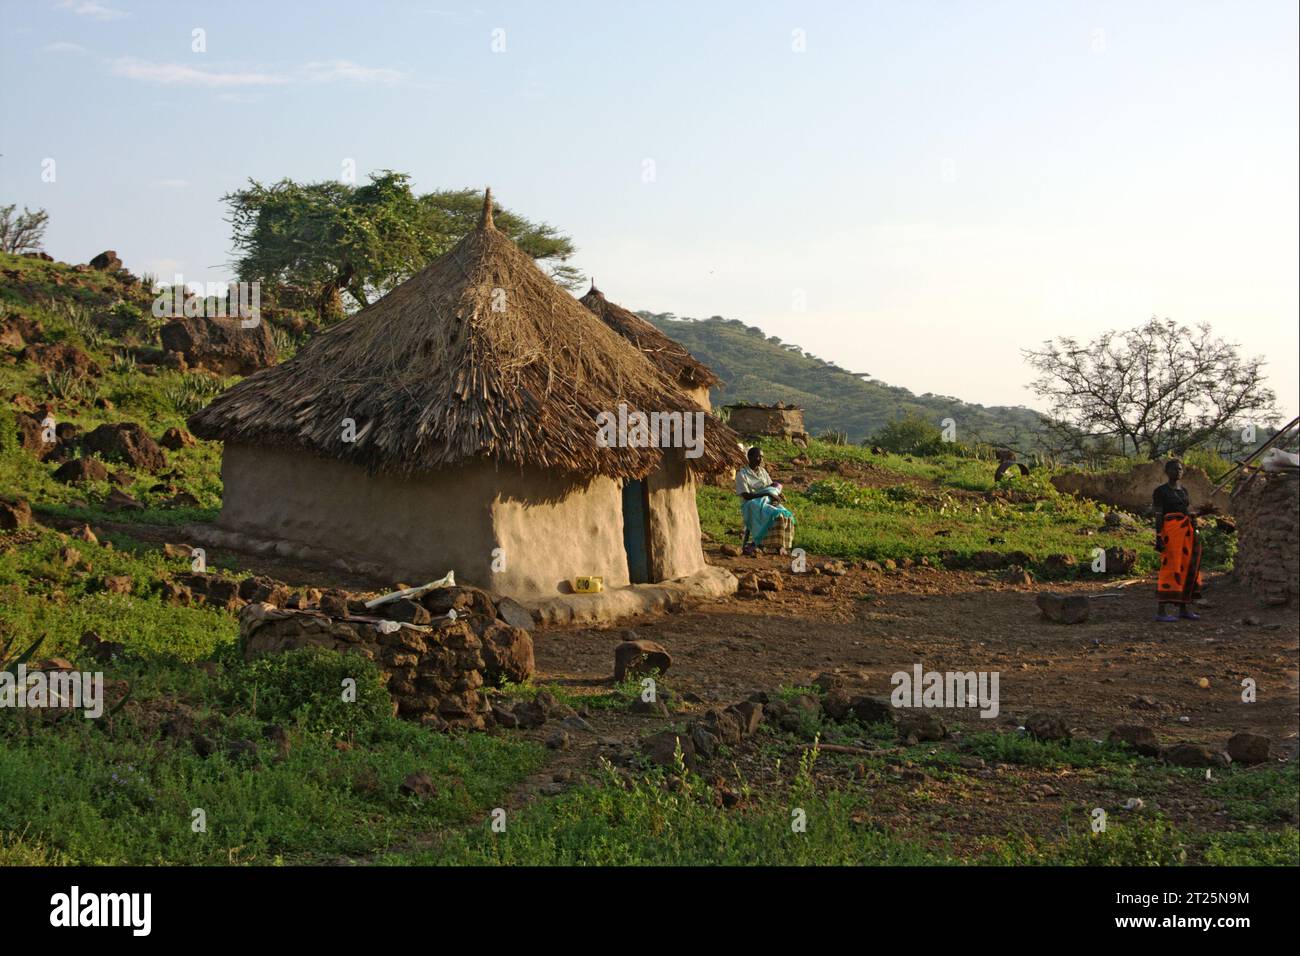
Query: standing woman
(1179, 581)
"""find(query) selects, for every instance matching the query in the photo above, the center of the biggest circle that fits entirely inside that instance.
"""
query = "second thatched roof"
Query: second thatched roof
(480, 355)
(671, 357)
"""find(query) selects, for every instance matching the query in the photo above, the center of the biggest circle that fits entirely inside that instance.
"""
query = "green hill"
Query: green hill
(759, 368)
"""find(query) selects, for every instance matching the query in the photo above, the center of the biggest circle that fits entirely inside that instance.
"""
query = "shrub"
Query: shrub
(834, 491)
(910, 436)
(305, 686)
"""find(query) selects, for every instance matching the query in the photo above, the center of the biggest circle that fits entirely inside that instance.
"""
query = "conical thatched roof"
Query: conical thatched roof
(479, 355)
(679, 364)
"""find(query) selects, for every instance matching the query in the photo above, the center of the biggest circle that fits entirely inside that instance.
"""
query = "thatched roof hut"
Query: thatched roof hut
(691, 375)
(453, 425)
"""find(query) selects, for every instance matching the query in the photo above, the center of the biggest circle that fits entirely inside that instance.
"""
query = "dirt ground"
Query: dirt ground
(1118, 667)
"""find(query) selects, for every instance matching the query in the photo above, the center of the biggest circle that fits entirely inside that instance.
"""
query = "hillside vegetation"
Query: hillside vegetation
(760, 368)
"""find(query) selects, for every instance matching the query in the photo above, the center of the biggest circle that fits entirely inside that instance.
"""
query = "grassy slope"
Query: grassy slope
(756, 369)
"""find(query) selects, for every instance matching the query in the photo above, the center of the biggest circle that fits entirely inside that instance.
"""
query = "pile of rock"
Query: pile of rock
(703, 735)
(435, 663)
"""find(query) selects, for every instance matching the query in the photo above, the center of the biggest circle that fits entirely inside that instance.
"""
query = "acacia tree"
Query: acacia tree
(24, 232)
(333, 239)
(1152, 390)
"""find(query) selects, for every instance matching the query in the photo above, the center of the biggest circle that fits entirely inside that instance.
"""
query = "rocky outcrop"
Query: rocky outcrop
(220, 345)
(106, 261)
(62, 357)
(128, 443)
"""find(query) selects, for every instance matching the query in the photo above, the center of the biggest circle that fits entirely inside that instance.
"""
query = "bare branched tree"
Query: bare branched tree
(24, 232)
(1152, 390)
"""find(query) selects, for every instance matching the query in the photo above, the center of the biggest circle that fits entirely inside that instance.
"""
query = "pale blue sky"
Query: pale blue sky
(939, 183)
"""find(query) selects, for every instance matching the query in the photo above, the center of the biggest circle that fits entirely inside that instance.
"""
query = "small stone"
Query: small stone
(1047, 727)
(118, 583)
(1192, 755)
(920, 725)
(1064, 608)
(655, 708)
(515, 614)
(634, 658)
(1141, 739)
(419, 785)
(15, 514)
(1248, 748)
(660, 749)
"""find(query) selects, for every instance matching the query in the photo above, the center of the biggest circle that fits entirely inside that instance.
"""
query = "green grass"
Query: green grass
(1262, 795)
(42, 596)
(1024, 750)
(644, 823)
(116, 792)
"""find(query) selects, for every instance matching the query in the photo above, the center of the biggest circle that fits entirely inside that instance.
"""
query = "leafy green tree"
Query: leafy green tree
(910, 435)
(333, 239)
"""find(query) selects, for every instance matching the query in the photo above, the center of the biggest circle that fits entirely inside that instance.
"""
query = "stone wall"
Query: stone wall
(1267, 509)
(434, 673)
(1132, 490)
(777, 420)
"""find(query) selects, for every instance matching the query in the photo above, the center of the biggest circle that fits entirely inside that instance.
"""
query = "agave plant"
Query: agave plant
(82, 322)
(9, 661)
(63, 385)
(123, 362)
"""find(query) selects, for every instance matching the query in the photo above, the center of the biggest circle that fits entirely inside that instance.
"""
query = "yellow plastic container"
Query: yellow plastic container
(591, 584)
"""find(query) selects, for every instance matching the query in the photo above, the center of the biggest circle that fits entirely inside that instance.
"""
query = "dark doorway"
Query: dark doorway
(636, 531)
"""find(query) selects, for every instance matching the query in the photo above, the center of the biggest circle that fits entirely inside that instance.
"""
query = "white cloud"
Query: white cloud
(347, 71)
(96, 11)
(179, 73)
(63, 46)
(163, 268)
(172, 183)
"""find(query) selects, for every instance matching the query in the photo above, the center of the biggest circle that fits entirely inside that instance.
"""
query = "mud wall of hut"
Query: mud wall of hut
(519, 533)
(675, 549)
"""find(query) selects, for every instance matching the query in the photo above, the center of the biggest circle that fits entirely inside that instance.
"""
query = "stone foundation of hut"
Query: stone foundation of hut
(1267, 509)
(778, 421)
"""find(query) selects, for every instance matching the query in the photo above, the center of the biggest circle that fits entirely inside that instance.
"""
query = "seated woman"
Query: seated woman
(1179, 581)
(762, 508)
